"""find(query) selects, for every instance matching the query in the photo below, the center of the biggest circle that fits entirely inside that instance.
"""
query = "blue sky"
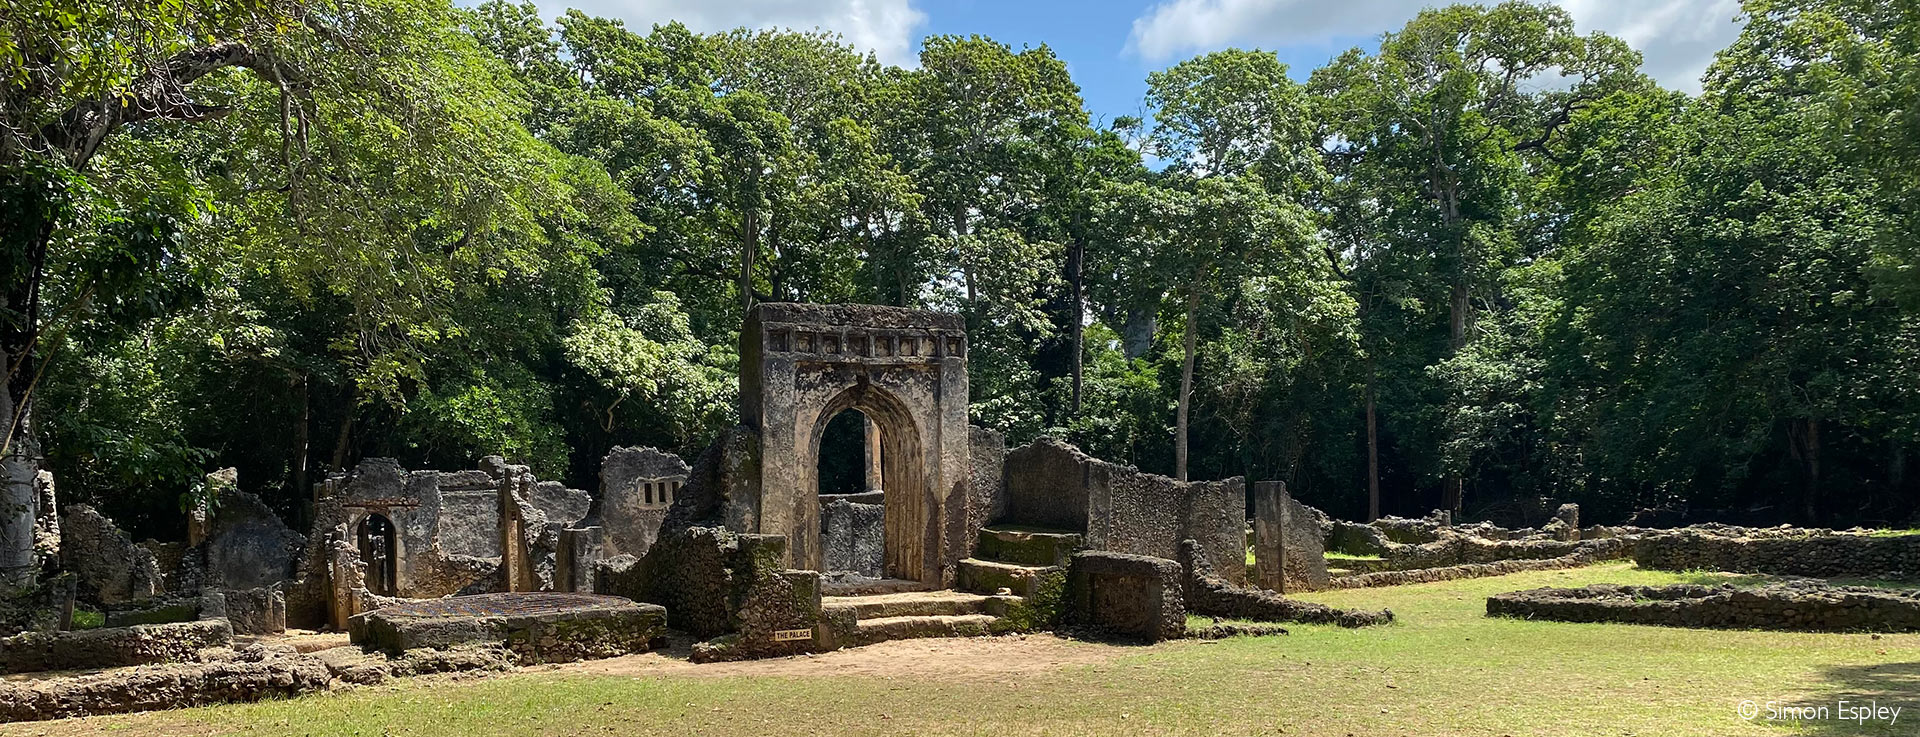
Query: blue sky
(1092, 37)
(1111, 46)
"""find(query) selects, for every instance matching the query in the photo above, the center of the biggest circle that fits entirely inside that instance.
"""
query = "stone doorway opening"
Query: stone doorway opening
(852, 497)
(376, 543)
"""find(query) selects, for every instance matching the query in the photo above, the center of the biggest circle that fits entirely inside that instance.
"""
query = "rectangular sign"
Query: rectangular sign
(791, 635)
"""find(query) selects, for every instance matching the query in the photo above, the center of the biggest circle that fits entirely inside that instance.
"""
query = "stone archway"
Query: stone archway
(907, 532)
(904, 369)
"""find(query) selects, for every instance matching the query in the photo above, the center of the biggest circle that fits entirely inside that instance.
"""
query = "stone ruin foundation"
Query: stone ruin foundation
(536, 627)
(1803, 606)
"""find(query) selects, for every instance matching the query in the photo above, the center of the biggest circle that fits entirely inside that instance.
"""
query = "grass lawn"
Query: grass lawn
(1443, 669)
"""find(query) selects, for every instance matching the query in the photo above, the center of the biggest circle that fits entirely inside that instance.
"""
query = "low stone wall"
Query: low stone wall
(1453, 549)
(1816, 553)
(1128, 595)
(162, 687)
(228, 676)
(1209, 594)
(1797, 606)
(1588, 553)
(143, 644)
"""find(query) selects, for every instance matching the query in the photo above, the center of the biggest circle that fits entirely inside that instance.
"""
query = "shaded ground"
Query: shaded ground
(1443, 669)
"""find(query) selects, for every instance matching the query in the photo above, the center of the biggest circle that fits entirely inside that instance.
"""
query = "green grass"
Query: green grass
(1349, 556)
(1443, 669)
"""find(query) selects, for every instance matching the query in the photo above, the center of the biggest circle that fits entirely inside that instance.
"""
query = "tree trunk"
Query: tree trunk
(1459, 311)
(749, 250)
(1186, 385)
(1076, 275)
(29, 221)
(340, 441)
(1811, 499)
(966, 267)
(1373, 452)
(302, 440)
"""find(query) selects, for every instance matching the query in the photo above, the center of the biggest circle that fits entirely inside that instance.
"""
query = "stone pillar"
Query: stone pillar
(1267, 513)
(874, 482)
(46, 530)
(1288, 556)
(512, 551)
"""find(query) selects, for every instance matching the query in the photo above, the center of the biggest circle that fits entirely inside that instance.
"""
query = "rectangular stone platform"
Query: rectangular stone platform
(537, 627)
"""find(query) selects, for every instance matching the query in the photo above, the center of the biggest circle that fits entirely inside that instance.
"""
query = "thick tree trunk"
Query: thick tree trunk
(1459, 313)
(1186, 385)
(1373, 451)
(30, 223)
(18, 501)
(966, 268)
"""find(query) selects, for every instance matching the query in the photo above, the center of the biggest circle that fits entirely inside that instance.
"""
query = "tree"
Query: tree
(1439, 129)
(1236, 130)
(370, 153)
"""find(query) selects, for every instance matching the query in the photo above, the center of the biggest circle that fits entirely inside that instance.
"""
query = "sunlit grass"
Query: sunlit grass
(1444, 668)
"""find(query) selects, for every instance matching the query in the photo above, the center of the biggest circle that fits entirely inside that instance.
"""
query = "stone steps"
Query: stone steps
(917, 604)
(1027, 545)
(988, 577)
(940, 625)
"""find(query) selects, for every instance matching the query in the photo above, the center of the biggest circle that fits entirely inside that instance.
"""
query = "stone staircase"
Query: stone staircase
(1017, 559)
(997, 589)
(907, 615)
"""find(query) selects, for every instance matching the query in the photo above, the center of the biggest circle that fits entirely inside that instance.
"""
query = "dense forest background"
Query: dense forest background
(1484, 262)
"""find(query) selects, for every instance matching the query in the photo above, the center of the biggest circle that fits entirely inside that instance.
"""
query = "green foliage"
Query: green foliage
(407, 228)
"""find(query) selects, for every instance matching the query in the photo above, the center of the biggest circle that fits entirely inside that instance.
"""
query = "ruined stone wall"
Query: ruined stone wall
(1798, 606)
(112, 646)
(1454, 549)
(1817, 553)
(637, 486)
(246, 545)
(686, 571)
(110, 567)
(435, 541)
(1048, 486)
(987, 487)
(1124, 510)
(1209, 594)
(1589, 553)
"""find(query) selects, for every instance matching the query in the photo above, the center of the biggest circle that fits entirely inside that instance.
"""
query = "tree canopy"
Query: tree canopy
(1480, 262)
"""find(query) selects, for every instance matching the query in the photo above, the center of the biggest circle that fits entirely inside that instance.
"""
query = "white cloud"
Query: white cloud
(1677, 37)
(885, 26)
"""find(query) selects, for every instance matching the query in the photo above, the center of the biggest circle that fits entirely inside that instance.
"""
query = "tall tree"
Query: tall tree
(1439, 127)
(1237, 131)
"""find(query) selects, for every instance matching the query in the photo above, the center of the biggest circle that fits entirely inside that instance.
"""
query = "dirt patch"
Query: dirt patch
(959, 658)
